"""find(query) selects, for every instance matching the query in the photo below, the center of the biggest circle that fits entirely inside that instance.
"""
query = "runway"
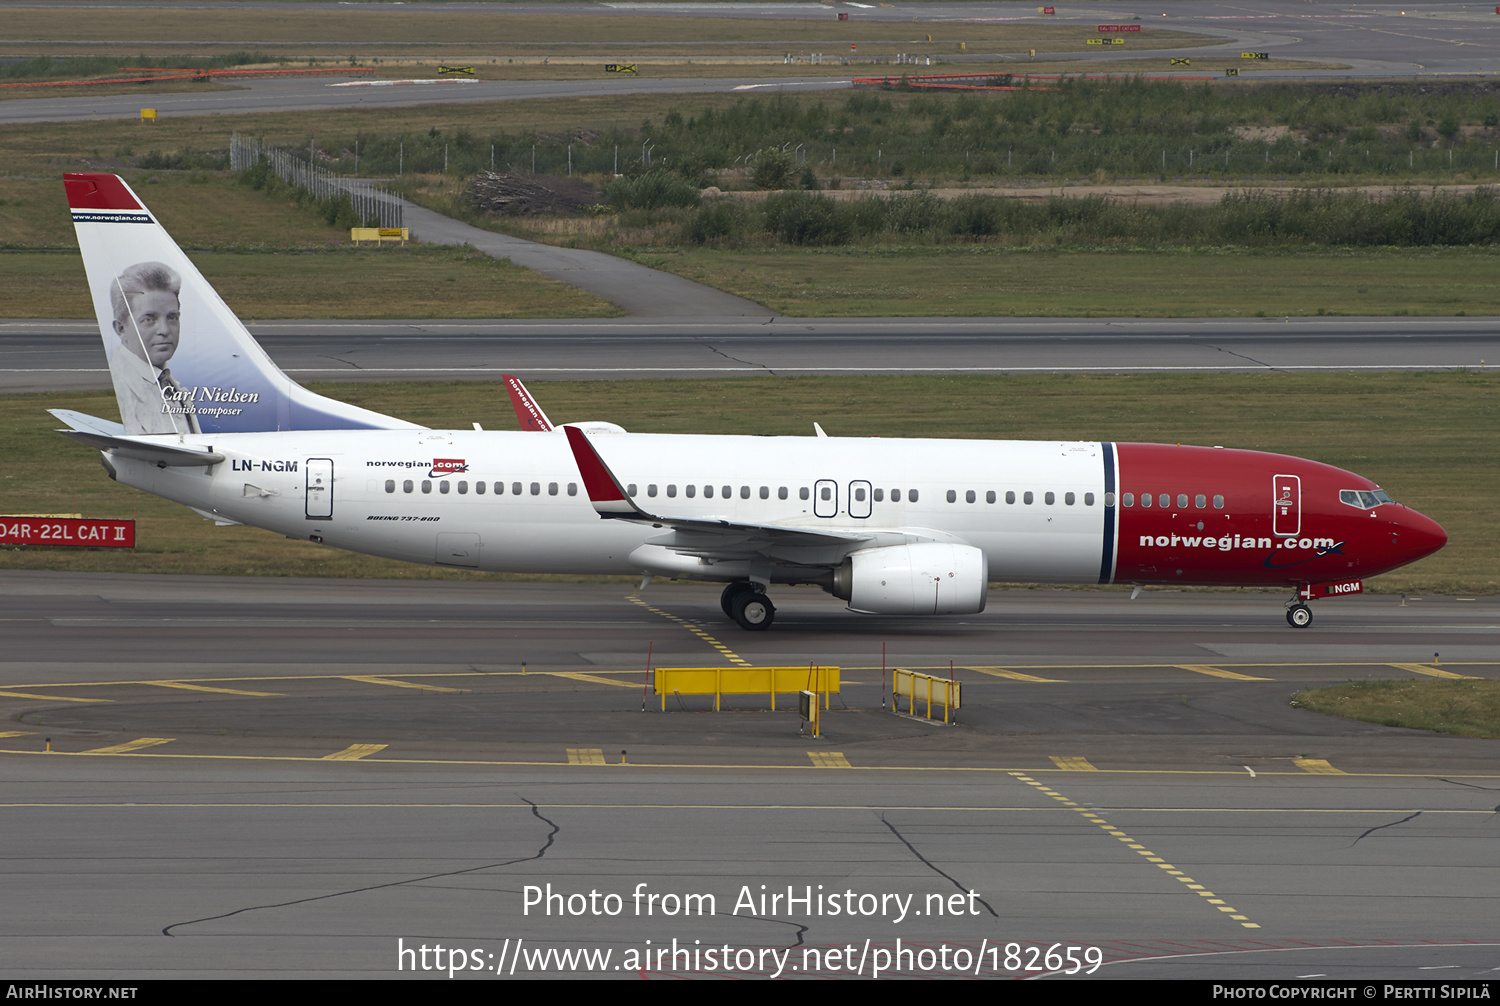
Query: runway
(1382, 40)
(56, 355)
(305, 778)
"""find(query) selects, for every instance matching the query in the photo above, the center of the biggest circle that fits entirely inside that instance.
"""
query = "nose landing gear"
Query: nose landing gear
(1298, 615)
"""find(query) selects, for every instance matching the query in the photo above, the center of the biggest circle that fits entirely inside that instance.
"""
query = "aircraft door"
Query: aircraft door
(859, 499)
(319, 489)
(826, 498)
(1286, 505)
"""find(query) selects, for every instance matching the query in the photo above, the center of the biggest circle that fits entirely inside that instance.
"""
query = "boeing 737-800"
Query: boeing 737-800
(892, 526)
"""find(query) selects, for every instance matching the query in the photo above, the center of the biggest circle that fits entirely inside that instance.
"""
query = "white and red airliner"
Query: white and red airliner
(892, 526)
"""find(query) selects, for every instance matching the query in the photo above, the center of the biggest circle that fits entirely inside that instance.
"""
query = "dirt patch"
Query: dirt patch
(1266, 134)
(524, 195)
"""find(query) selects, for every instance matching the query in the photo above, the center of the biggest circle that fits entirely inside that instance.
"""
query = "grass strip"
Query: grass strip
(1465, 708)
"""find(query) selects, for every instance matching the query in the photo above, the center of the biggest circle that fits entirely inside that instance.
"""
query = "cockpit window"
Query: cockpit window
(1364, 498)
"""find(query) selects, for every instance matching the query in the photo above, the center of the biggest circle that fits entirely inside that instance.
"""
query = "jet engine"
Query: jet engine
(932, 578)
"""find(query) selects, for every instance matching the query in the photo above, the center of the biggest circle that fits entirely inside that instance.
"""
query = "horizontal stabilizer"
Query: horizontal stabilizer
(169, 455)
(87, 423)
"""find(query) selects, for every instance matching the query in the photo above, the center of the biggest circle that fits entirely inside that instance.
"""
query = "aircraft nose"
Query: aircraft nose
(1416, 535)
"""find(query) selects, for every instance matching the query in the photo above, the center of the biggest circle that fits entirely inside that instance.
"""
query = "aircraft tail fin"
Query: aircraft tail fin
(528, 412)
(180, 360)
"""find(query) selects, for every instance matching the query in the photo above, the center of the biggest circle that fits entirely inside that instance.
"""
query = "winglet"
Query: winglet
(605, 492)
(527, 411)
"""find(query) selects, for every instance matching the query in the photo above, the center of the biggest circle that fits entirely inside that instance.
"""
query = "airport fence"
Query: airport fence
(372, 205)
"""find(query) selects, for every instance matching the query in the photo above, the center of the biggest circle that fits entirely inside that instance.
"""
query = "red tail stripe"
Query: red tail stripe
(99, 192)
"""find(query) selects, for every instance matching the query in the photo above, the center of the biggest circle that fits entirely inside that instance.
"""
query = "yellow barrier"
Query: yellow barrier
(379, 234)
(148, 115)
(721, 681)
(918, 687)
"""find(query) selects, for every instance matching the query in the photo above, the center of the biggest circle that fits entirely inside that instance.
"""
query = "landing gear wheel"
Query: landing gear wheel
(732, 591)
(1299, 616)
(754, 611)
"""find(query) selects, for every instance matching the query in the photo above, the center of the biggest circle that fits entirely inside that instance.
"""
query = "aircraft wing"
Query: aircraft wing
(707, 537)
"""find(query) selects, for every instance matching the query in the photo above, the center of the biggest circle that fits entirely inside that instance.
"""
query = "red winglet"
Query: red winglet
(527, 410)
(605, 492)
(99, 192)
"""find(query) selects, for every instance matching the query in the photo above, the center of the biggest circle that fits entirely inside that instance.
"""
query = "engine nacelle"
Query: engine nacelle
(932, 578)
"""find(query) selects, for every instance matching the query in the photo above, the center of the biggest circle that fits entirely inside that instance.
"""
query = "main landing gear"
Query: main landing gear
(1298, 615)
(748, 605)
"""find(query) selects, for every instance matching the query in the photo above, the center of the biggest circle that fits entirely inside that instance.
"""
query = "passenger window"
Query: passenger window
(895, 495)
(651, 490)
(443, 488)
(952, 496)
(629, 490)
(426, 486)
(744, 492)
(1027, 497)
(989, 497)
(1145, 499)
(803, 493)
(728, 491)
(1182, 501)
(515, 488)
(826, 493)
(765, 492)
(1010, 496)
(463, 488)
(406, 486)
(390, 485)
(1218, 502)
(1200, 501)
(969, 496)
(671, 490)
(551, 488)
(479, 488)
(781, 493)
(1129, 499)
(859, 493)
(1088, 499)
(691, 490)
(536, 488)
(1050, 498)
(499, 488)
(573, 489)
(879, 495)
(1069, 498)
(911, 496)
(1164, 500)
(708, 492)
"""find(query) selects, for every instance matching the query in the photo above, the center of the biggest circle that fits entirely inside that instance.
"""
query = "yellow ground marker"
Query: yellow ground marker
(1073, 764)
(16, 733)
(1432, 672)
(1317, 766)
(829, 759)
(371, 679)
(129, 746)
(1218, 672)
(1140, 850)
(595, 678)
(206, 688)
(1001, 672)
(585, 756)
(48, 698)
(733, 657)
(354, 752)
